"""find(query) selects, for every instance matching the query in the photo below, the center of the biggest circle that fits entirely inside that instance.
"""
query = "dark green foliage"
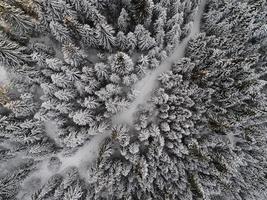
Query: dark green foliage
(141, 10)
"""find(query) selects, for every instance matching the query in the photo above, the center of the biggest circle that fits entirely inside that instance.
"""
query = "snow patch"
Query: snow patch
(3, 76)
(41, 176)
(51, 129)
(85, 155)
(82, 159)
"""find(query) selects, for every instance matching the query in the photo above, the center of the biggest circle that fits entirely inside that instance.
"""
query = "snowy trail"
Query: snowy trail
(83, 158)
(85, 155)
(3, 76)
(149, 83)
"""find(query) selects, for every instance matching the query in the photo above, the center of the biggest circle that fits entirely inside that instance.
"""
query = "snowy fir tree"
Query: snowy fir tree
(133, 99)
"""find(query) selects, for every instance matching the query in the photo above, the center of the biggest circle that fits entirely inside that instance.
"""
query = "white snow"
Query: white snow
(149, 83)
(84, 156)
(51, 130)
(82, 159)
(3, 76)
(42, 174)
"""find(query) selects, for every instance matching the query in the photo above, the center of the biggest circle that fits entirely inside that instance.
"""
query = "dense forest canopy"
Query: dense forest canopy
(133, 99)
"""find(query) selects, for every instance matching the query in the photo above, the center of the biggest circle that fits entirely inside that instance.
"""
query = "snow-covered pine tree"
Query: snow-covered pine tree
(21, 131)
(18, 17)
(10, 180)
(67, 186)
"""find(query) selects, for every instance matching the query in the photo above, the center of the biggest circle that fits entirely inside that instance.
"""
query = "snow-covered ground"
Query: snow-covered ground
(3, 76)
(85, 155)
(149, 83)
(51, 130)
(82, 159)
